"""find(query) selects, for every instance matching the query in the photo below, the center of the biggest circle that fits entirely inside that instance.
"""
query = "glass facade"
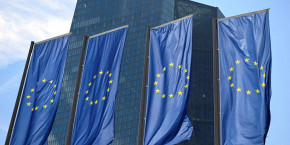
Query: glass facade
(96, 16)
(201, 105)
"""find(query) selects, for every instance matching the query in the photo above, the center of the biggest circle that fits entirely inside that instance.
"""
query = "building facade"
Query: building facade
(96, 16)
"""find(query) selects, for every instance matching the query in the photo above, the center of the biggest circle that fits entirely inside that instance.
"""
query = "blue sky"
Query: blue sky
(20, 23)
(24, 21)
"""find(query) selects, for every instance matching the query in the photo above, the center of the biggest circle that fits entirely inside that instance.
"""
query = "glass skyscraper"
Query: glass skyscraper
(96, 16)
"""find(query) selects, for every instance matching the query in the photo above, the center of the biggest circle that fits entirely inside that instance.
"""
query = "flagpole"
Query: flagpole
(19, 94)
(217, 135)
(77, 88)
(245, 14)
(144, 89)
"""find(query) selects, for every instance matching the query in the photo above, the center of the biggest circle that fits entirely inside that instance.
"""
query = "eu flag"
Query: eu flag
(94, 121)
(169, 78)
(40, 96)
(245, 79)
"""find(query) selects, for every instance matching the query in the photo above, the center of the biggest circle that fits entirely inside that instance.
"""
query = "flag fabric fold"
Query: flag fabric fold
(94, 121)
(245, 79)
(41, 92)
(168, 86)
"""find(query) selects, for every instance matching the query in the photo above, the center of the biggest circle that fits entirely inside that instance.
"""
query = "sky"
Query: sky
(24, 21)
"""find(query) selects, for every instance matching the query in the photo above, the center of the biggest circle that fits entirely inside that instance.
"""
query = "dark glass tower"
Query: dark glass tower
(96, 16)
(201, 104)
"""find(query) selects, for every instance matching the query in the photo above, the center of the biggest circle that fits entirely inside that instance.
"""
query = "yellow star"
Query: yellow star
(110, 74)
(101, 72)
(263, 85)
(51, 81)
(54, 86)
(108, 89)
(237, 62)
(107, 72)
(91, 103)
(255, 63)
(32, 90)
(28, 97)
(264, 75)
(87, 91)
(36, 83)
(186, 86)
(157, 91)
(257, 91)
(155, 83)
(51, 101)
(32, 109)
(171, 64)
(246, 60)
(158, 75)
(180, 93)
(187, 77)
(90, 84)
(54, 92)
(179, 66)
(28, 104)
(36, 108)
(87, 98)
(111, 81)
(95, 76)
(163, 96)
(232, 85)
(248, 92)
(261, 68)
(164, 69)
(231, 69)
(96, 101)
(185, 70)
(44, 80)
(170, 96)
(44, 106)
(230, 77)
(239, 90)
(104, 98)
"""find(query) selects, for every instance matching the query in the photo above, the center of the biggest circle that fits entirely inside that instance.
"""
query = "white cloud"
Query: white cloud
(24, 21)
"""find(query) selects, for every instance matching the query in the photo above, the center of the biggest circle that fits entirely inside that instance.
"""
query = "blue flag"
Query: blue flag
(169, 74)
(40, 96)
(245, 79)
(94, 121)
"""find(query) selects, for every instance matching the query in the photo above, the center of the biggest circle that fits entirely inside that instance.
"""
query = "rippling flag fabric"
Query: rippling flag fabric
(169, 74)
(41, 92)
(245, 79)
(94, 121)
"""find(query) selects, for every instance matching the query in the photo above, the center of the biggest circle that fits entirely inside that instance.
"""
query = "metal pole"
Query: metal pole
(216, 84)
(77, 88)
(144, 89)
(19, 95)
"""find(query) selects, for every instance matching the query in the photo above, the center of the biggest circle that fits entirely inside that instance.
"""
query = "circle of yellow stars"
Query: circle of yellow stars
(32, 91)
(171, 95)
(90, 99)
(239, 89)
